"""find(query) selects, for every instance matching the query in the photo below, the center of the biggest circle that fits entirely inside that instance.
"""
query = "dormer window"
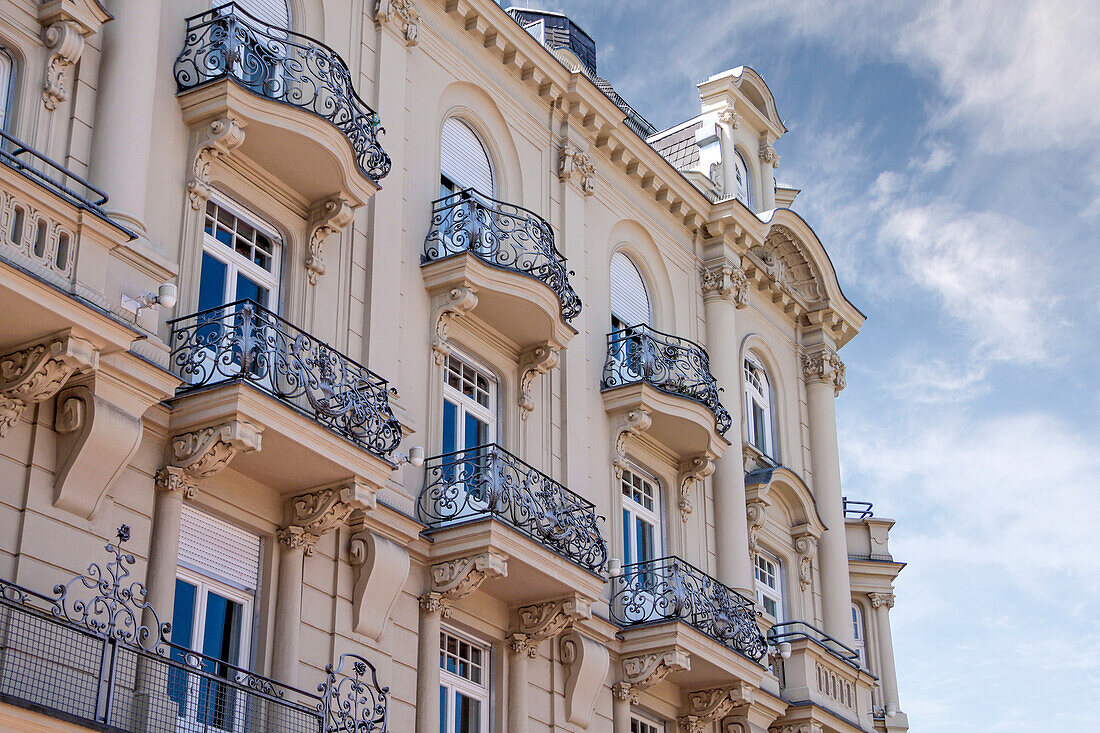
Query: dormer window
(742, 183)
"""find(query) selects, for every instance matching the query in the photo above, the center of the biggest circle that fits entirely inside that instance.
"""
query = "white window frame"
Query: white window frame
(762, 399)
(636, 510)
(455, 683)
(765, 590)
(237, 263)
(7, 76)
(740, 165)
(644, 724)
(467, 404)
(859, 633)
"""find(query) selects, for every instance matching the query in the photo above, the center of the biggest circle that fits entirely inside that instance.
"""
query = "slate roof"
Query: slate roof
(679, 147)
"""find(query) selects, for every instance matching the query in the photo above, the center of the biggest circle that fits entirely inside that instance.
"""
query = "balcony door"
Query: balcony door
(630, 308)
(469, 424)
(463, 161)
(642, 544)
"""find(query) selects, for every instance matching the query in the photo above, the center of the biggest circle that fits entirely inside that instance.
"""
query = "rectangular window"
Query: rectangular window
(463, 685)
(645, 725)
(469, 406)
(858, 634)
(240, 260)
(769, 585)
(641, 518)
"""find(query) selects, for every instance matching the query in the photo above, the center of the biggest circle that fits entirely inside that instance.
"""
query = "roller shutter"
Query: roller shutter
(463, 158)
(629, 299)
(218, 549)
(272, 12)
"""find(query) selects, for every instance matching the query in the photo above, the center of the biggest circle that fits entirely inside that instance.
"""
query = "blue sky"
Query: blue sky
(949, 157)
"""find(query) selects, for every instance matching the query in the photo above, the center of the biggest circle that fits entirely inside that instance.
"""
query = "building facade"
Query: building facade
(419, 384)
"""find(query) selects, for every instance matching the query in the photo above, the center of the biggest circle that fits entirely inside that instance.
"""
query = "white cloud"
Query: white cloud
(920, 379)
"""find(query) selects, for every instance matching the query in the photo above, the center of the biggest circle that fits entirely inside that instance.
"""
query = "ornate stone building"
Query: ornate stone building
(414, 382)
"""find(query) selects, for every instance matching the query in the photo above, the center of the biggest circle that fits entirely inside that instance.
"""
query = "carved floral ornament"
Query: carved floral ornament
(219, 138)
(38, 372)
(405, 13)
(316, 513)
(823, 365)
(333, 217)
(458, 302)
(539, 360)
(645, 670)
(728, 116)
(692, 470)
(707, 706)
(725, 280)
(805, 544)
(543, 621)
(634, 422)
(573, 161)
(65, 26)
(458, 578)
(881, 599)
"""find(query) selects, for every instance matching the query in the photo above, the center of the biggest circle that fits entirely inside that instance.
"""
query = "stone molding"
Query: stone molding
(381, 569)
(458, 578)
(458, 302)
(206, 451)
(221, 137)
(171, 479)
(318, 512)
(805, 538)
(633, 422)
(574, 161)
(723, 279)
(645, 670)
(768, 154)
(538, 360)
(332, 217)
(823, 365)
(436, 603)
(542, 621)
(65, 41)
(881, 599)
(405, 13)
(707, 706)
(693, 470)
(37, 372)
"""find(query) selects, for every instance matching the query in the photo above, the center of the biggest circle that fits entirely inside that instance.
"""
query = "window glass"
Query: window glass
(645, 725)
(641, 518)
(239, 261)
(742, 182)
(469, 406)
(6, 74)
(758, 408)
(858, 633)
(769, 585)
(463, 685)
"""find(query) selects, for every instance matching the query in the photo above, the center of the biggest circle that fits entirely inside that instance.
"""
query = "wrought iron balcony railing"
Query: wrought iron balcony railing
(670, 589)
(53, 176)
(672, 364)
(488, 481)
(276, 63)
(96, 653)
(791, 630)
(244, 342)
(858, 509)
(501, 235)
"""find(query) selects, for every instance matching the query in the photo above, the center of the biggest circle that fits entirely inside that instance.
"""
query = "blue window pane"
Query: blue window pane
(183, 621)
(467, 714)
(250, 290)
(211, 283)
(628, 542)
(221, 640)
(477, 432)
(645, 541)
(450, 426)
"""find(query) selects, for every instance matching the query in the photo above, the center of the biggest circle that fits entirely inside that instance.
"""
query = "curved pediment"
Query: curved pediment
(782, 484)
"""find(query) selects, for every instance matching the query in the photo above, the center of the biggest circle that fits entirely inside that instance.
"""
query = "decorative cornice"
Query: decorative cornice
(805, 544)
(65, 40)
(645, 670)
(459, 578)
(725, 280)
(881, 599)
(823, 365)
(693, 469)
(634, 422)
(220, 137)
(39, 371)
(333, 216)
(204, 452)
(405, 12)
(572, 160)
(539, 360)
(457, 303)
(707, 706)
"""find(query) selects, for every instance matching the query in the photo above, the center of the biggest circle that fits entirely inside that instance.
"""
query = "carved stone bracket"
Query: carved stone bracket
(730, 117)
(634, 422)
(823, 365)
(588, 661)
(723, 279)
(319, 512)
(65, 40)
(756, 512)
(692, 470)
(805, 538)
(458, 302)
(404, 12)
(381, 569)
(645, 670)
(707, 706)
(204, 452)
(221, 137)
(39, 371)
(333, 216)
(539, 360)
(573, 161)
(542, 621)
(881, 599)
(459, 578)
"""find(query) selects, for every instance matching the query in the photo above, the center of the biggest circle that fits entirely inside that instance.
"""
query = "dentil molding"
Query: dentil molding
(37, 372)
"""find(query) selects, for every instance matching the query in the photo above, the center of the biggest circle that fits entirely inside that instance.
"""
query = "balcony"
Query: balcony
(304, 121)
(82, 655)
(228, 356)
(668, 377)
(506, 255)
(486, 499)
(818, 668)
(858, 509)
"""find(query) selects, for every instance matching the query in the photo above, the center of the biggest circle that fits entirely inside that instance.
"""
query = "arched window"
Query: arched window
(629, 298)
(759, 408)
(742, 183)
(6, 73)
(859, 633)
(272, 12)
(463, 160)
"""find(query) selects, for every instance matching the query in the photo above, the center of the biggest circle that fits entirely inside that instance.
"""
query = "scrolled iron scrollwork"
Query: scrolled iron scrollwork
(352, 701)
(244, 341)
(276, 63)
(670, 589)
(490, 481)
(672, 364)
(501, 235)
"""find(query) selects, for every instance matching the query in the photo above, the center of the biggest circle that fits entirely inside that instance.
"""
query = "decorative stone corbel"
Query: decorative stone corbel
(457, 303)
(805, 544)
(332, 217)
(588, 663)
(381, 569)
(65, 40)
(634, 422)
(320, 511)
(756, 512)
(881, 599)
(459, 578)
(221, 137)
(767, 152)
(572, 160)
(539, 360)
(543, 621)
(95, 442)
(405, 12)
(204, 452)
(723, 279)
(823, 365)
(730, 117)
(645, 670)
(707, 706)
(38, 372)
(692, 470)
